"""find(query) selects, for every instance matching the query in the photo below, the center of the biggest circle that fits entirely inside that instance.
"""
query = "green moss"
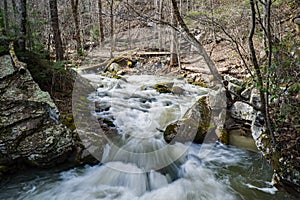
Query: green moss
(224, 137)
(83, 98)
(200, 83)
(164, 87)
(144, 87)
(116, 76)
(170, 129)
(69, 122)
(205, 113)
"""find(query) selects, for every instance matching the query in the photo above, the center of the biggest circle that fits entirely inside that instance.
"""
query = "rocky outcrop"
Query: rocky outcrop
(240, 114)
(244, 118)
(193, 126)
(30, 133)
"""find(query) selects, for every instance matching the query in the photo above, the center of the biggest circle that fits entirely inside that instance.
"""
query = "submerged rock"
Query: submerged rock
(193, 126)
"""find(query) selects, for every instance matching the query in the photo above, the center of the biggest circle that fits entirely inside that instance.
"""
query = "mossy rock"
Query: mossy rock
(69, 122)
(165, 87)
(177, 90)
(193, 126)
(199, 83)
(224, 137)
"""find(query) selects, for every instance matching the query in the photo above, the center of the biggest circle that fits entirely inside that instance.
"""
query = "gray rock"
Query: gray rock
(177, 90)
(29, 132)
(114, 67)
(231, 79)
(246, 93)
(242, 111)
(193, 126)
(235, 89)
(255, 98)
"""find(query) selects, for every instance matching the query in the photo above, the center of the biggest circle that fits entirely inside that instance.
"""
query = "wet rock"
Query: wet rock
(93, 131)
(242, 111)
(193, 126)
(233, 80)
(113, 67)
(177, 90)
(255, 98)
(246, 93)
(163, 87)
(29, 130)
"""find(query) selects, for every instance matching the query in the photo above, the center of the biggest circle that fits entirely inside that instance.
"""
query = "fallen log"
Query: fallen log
(21, 67)
(152, 53)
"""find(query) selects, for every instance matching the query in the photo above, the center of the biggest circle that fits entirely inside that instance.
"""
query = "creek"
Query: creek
(143, 166)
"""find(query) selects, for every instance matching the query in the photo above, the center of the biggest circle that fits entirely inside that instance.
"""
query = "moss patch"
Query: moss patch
(163, 87)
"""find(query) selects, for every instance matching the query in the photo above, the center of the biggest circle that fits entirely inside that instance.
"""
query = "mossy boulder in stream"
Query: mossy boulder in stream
(168, 87)
(193, 126)
(163, 87)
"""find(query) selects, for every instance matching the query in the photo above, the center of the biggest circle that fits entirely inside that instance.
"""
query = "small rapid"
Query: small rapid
(141, 165)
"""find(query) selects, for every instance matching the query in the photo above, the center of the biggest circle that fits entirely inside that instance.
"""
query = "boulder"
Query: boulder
(193, 126)
(113, 68)
(242, 111)
(164, 87)
(30, 133)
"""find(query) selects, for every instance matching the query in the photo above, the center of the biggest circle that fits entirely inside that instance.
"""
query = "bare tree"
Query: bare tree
(174, 42)
(111, 28)
(59, 51)
(14, 6)
(263, 89)
(5, 18)
(191, 38)
(74, 4)
(22, 22)
(160, 36)
(100, 21)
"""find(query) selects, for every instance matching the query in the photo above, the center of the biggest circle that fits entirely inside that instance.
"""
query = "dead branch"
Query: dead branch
(21, 67)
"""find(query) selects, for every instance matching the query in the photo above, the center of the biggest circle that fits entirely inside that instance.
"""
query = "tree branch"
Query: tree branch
(196, 43)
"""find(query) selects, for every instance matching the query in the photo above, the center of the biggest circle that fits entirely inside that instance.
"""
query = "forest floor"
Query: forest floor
(191, 62)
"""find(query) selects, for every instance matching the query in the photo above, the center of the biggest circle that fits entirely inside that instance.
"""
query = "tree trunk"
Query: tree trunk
(213, 20)
(111, 28)
(190, 37)
(2, 21)
(5, 18)
(14, 6)
(22, 25)
(74, 4)
(100, 21)
(174, 40)
(15, 14)
(129, 29)
(55, 28)
(160, 36)
(262, 88)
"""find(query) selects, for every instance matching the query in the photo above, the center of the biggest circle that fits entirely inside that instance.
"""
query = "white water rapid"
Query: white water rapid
(141, 165)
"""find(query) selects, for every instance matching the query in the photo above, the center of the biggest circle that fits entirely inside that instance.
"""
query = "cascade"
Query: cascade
(140, 164)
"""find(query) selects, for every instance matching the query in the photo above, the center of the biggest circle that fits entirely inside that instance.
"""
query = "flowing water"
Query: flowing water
(142, 165)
